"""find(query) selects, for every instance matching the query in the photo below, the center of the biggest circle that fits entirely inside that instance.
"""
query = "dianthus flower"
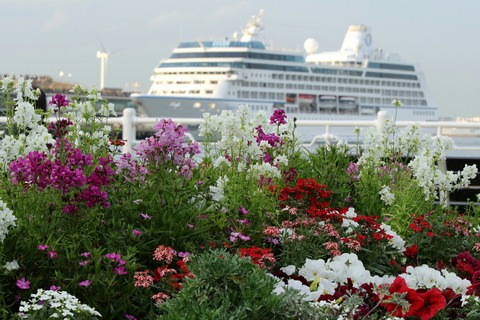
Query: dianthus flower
(143, 279)
(164, 253)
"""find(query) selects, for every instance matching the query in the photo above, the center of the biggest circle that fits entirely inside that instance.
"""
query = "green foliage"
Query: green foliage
(328, 164)
(227, 286)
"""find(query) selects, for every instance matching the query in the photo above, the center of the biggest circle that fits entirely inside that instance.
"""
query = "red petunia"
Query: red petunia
(399, 286)
(433, 301)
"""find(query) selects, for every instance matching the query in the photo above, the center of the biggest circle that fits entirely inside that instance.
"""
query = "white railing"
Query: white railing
(322, 129)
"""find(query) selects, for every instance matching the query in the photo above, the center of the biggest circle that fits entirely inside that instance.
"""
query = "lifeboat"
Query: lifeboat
(306, 98)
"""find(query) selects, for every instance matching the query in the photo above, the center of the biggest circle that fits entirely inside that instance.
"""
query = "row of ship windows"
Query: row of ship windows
(308, 86)
(300, 69)
(281, 96)
(281, 57)
(318, 79)
(346, 80)
(388, 101)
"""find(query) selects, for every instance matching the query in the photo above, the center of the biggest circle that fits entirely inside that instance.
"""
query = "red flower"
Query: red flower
(433, 301)
(411, 252)
(399, 286)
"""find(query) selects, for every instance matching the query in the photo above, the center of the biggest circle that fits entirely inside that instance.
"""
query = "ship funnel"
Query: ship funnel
(358, 40)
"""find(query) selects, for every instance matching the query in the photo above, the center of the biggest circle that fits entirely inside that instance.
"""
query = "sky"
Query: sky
(60, 38)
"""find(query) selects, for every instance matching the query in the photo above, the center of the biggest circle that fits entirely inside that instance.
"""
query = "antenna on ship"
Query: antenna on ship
(253, 25)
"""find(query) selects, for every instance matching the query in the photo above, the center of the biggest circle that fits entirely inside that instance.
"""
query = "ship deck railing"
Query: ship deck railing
(457, 157)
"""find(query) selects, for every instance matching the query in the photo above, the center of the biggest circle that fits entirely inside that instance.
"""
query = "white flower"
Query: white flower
(396, 241)
(218, 191)
(59, 301)
(7, 219)
(289, 270)
(25, 116)
(12, 265)
(312, 269)
(387, 196)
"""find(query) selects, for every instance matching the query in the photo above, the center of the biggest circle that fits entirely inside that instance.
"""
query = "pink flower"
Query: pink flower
(42, 247)
(52, 254)
(239, 235)
(54, 288)
(85, 283)
(130, 317)
(137, 233)
(83, 263)
(164, 253)
(23, 284)
(145, 216)
(113, 256)
(86, 254)
(120, 271)
(143, 279)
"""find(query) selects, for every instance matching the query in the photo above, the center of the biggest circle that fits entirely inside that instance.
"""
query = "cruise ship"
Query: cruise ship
(355, 82)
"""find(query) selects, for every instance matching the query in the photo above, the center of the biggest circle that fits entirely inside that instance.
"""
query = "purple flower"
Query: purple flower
(243, 221)
(239, 235)
(120, 270)
(42, 247)
(278, 117)
(83, 263)
(137, 233)
(113, 256)
(86, 254)
(145, 216)
(54, 288)
(243, 211)
(23, 284)
(52, 254)
(130, 317)
(59, 100)
(242, 237)
(184, 254)
(85, 283)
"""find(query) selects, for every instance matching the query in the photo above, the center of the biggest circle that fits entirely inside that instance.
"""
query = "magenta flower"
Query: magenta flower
(52, 254)
(54, 288)
(278, 117)
(120, 270)
(42, 247)
(137, 233)
(59, 100)
(113, 256)
(243, 211)
(83, 263)
(23, 284)
(130, 317)
(86, 254)
(239, 235)
(85, 283)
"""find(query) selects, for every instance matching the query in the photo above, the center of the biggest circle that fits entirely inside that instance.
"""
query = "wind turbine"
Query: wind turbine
(103, 56)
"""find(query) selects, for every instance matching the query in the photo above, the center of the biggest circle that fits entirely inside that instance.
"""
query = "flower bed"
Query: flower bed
(247, 226)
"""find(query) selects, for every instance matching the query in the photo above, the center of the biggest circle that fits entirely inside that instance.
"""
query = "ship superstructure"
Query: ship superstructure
(354, 82)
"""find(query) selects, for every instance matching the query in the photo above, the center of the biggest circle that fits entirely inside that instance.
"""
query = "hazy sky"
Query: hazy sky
(46, 37)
